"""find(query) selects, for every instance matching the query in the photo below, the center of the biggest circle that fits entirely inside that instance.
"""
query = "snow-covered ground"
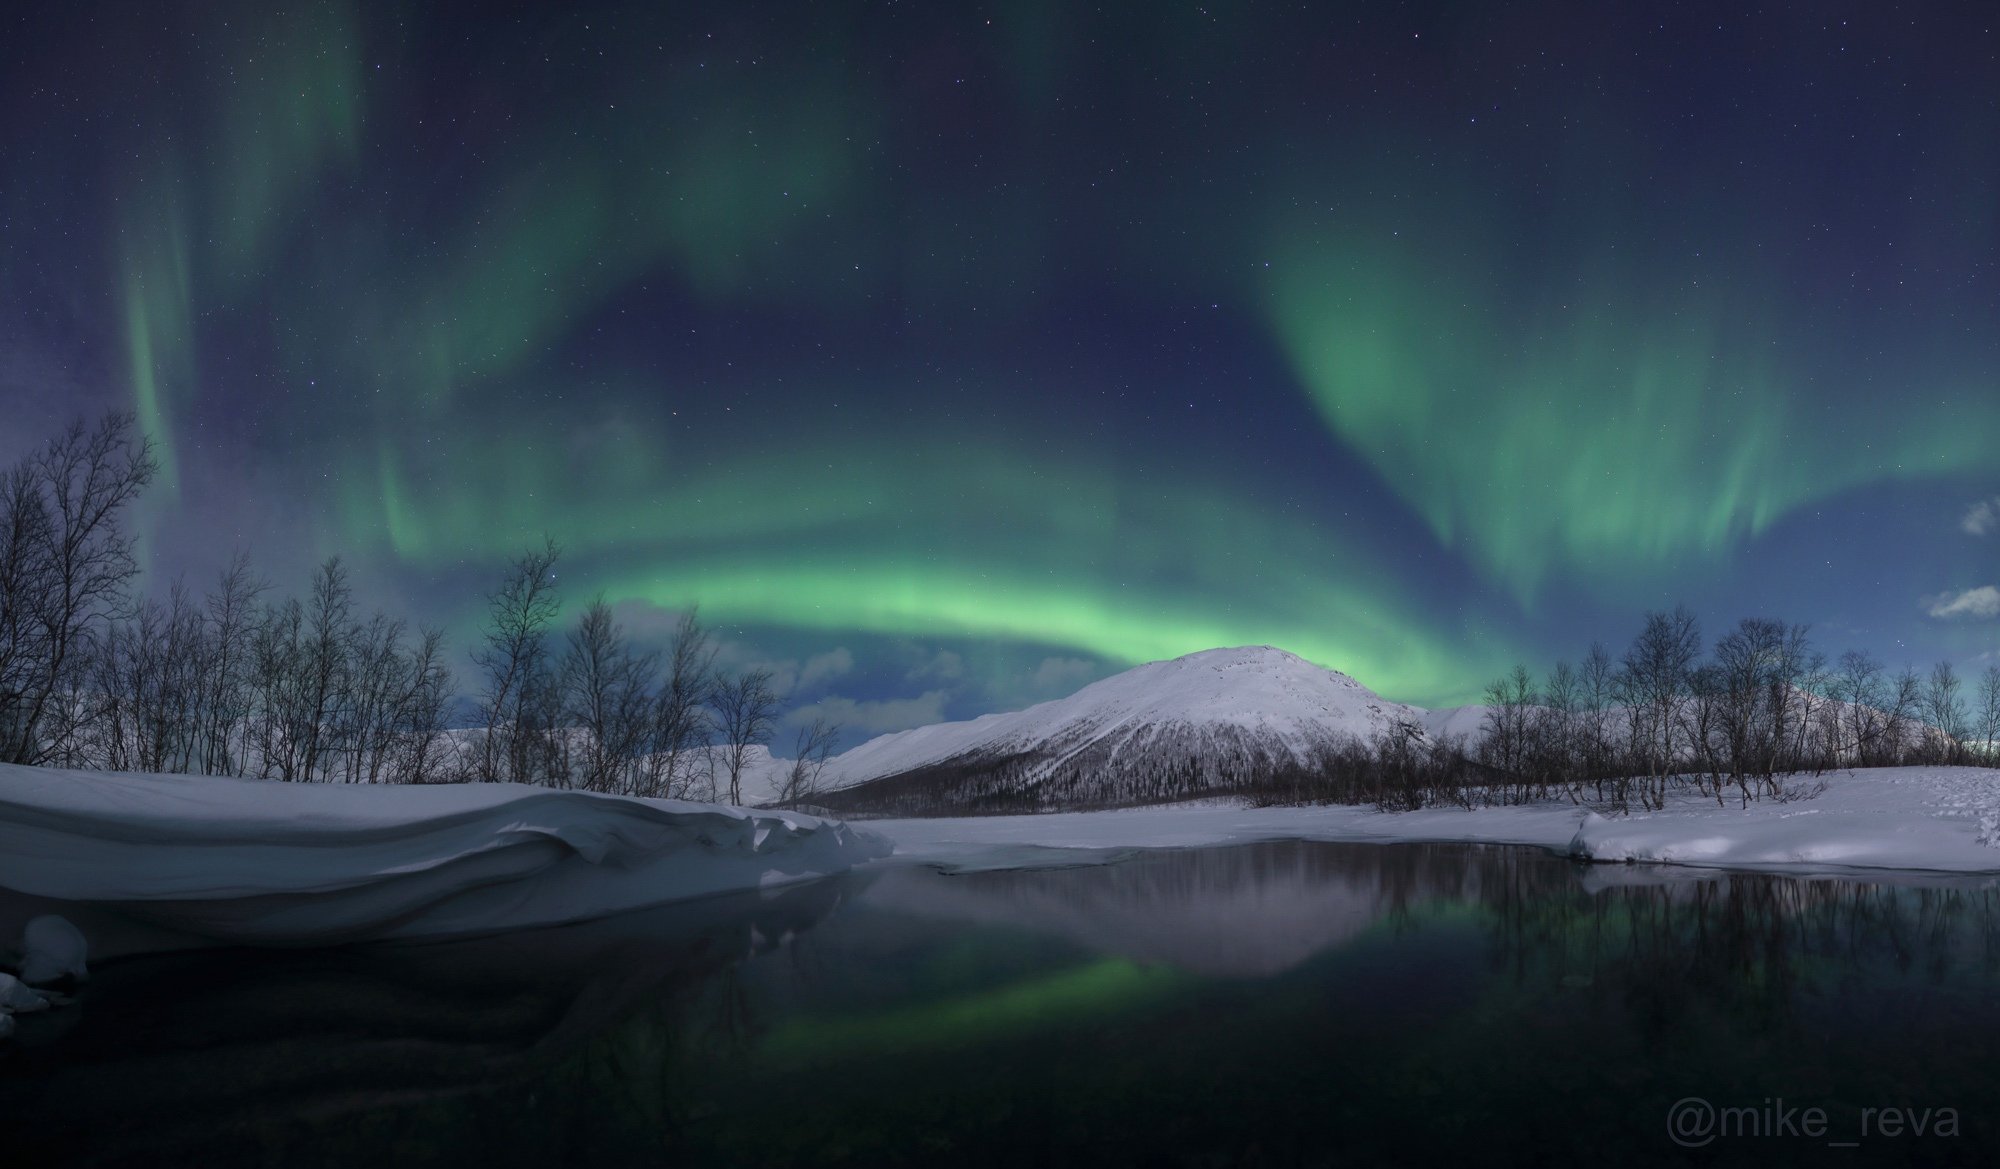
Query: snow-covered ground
(269, 862)
(1938, 819)
(198, 859)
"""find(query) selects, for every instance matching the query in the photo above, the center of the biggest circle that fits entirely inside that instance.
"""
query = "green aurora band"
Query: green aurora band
(939, 539)
(934, 534)
(1604, 439)
(275, 128)
(1096, 990)
(1642, 429)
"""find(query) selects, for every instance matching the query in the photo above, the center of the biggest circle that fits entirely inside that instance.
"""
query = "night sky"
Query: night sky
(952, 356)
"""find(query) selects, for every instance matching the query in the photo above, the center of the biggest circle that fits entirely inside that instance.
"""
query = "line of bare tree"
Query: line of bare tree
(230, 685)
(1760, 707)
(595, 711)
(234, 682)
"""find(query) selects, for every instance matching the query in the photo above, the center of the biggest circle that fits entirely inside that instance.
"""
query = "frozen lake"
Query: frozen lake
(1260, 1004)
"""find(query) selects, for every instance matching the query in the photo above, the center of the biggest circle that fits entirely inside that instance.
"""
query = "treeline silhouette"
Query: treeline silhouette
(236, 681)
(1761, 707)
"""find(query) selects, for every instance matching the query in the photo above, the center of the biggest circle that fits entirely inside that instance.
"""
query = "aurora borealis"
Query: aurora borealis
(987, 350)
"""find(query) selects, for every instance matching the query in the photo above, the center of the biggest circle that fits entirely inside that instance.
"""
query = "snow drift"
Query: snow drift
(266, 862)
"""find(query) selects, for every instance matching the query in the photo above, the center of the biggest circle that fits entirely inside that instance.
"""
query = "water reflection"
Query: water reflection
(1281, 1003)
(1302, 1003)
(1238, 912)
(203, 1055)
(1263, 909)
(1768, 951)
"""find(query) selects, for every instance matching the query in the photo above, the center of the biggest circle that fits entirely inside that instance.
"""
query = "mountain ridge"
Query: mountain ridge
(1170, 728)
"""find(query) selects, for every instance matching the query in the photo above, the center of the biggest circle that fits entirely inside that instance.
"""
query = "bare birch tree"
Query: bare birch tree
(745, 712)
(810, 751)
(515, 661)
(65, 564)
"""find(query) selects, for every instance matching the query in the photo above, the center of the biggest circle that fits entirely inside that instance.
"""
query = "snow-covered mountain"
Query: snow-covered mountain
(1164, 729)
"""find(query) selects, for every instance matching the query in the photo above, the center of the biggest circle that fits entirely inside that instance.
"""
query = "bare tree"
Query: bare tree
(1830, 730)
(515, 660)
(367, 718)
(1792, 684)
(1700, 721)
(1598, 691)
(65, 564)
(24, 578)
(603, 680)
(1811, 744)
(1857, 684)
(678, 724)
(1905, 701)
(1944, 710)
(810, 751)
(1761, 667)
(745, 708)
(161, 660)
(1654, 678)
(1509, 701)
(1745, 663)
(326, 665)
(1561, 732)
(276, 677)
(1989, 714)
(232, 615)
(421, 756)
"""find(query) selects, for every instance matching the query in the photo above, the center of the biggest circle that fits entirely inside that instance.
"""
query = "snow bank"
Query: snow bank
(267, 862)
(1936, 819)
(1944, 819)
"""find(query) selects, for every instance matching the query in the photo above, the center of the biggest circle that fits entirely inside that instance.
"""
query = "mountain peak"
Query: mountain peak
(1248, 654)
(1251, 657)
(1225, 705)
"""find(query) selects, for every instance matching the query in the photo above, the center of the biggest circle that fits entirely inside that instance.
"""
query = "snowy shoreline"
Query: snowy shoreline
(191, 860)
(1924, 819)
(257, 861)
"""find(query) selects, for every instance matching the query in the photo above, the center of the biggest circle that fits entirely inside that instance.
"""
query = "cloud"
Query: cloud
(1981, 517)
(944, 666)
(1058, 677)
(646, 623)
(831, 664)
(788, 675)
(1055, 677)
(874, 717)
(1983, 601)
